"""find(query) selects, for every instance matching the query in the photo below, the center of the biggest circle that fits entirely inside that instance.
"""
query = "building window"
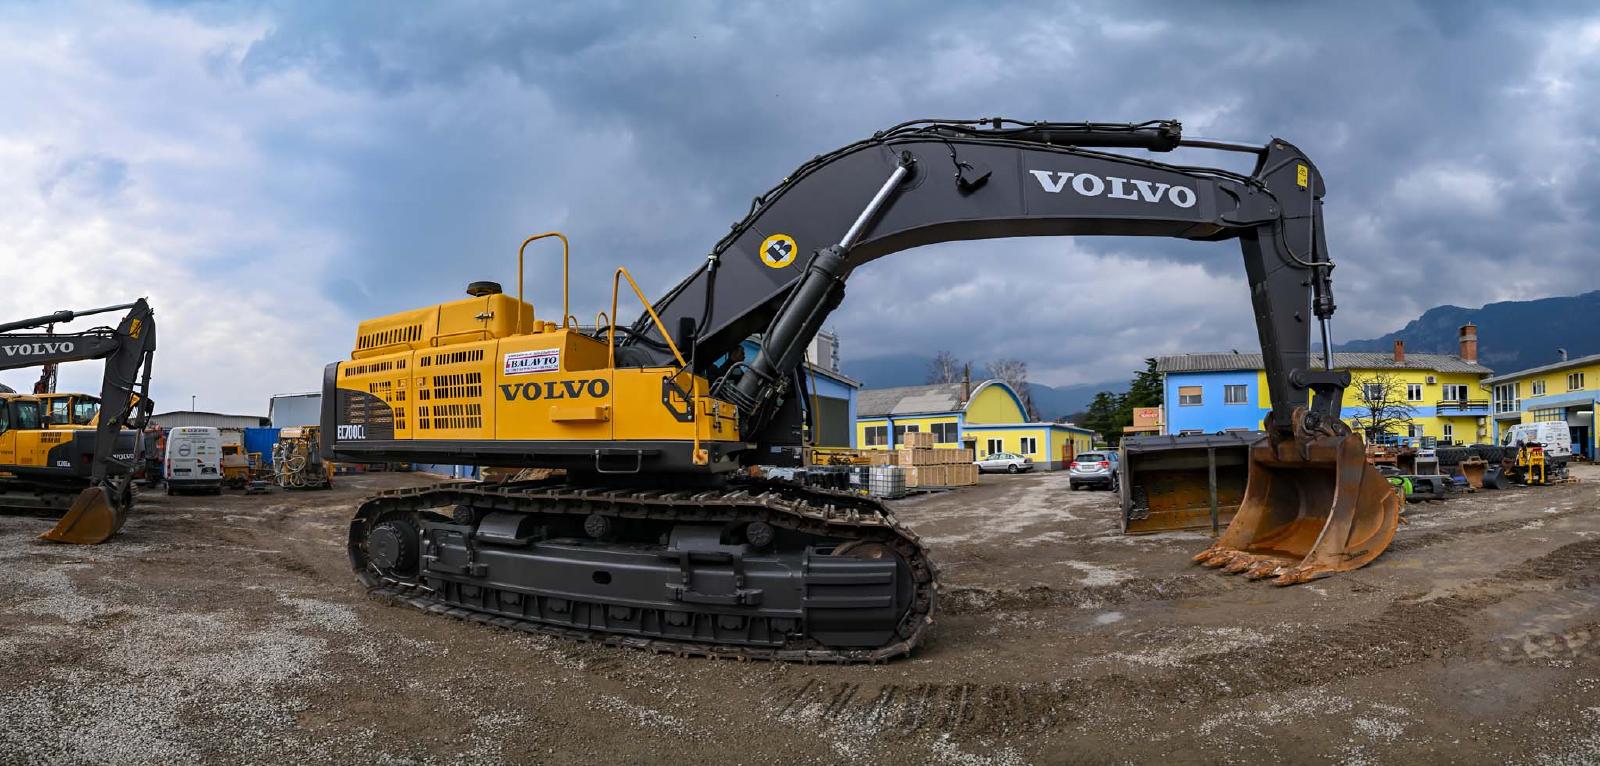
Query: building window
(945, 433)
(1030, 445)
(1414, 431)
(1507, 397)
(1413, 392)
(877, 436)
(994, 446)
(1235, 393)
(1538, 388)
(1454, 392)
(1449, 433)
(1575, 381)
(1189, 396)
(1372, 392)
(901, 431)
(1549, 415)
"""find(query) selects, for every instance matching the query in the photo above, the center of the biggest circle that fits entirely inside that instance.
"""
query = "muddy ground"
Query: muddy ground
(229, 630)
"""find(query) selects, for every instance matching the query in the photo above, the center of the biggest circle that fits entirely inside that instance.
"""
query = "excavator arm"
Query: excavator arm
(128, 350)
(1312, 507)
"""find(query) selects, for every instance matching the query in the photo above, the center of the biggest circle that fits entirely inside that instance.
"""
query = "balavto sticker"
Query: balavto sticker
(778, 250)
(524, 362)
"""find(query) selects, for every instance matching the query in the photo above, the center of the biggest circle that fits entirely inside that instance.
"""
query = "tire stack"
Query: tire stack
(1452, 456)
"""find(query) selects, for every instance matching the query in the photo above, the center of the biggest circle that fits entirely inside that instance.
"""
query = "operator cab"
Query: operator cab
(69, 410)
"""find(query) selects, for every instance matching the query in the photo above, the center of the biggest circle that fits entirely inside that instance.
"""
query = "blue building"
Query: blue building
(1443, 394)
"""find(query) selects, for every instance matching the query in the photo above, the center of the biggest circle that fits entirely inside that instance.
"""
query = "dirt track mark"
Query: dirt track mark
(978, 600)
(1409, 542)
(905, 709)
(1407, 632)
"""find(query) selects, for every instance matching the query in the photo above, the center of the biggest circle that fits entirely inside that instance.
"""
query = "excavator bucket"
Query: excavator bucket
(1312, 507)
(1183, 482)
(92, 519)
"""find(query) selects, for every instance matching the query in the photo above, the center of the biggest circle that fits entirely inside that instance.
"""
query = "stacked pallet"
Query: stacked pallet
(917, 439)
(934, 456)
(882, 456)
(942, 475)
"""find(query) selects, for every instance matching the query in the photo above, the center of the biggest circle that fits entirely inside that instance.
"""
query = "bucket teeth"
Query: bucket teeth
(1239, 564)
(1200, 558)
(1218, 559)
(1297, 575)
(1263, 569)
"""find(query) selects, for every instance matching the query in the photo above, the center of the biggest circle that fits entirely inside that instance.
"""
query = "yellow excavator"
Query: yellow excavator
(656, 537)
(73, 455)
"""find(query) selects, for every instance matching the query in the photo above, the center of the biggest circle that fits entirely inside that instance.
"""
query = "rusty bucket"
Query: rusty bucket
(93, 518)
(1312, 507)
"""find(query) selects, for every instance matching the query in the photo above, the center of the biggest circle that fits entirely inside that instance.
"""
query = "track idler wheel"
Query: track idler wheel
(1312, 507)
(392, 547)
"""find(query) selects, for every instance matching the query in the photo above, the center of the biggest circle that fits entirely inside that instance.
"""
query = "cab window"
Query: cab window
(5, 417)
(25, 415)
(59, 413)
(84, 411)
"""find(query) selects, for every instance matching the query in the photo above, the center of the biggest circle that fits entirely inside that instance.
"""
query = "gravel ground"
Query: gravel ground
(229, 630)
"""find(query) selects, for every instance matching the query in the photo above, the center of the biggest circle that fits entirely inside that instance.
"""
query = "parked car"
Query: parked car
(1094, 469)
(1005, 461)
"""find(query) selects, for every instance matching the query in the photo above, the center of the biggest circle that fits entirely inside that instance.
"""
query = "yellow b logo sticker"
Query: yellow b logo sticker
(778, 250)
(1302, 176)
(133, 329)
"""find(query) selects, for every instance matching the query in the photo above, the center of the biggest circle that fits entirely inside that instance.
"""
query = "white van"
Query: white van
(1556, 436)
(194, 460)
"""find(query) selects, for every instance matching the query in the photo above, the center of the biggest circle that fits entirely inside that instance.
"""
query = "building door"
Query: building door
(1580, 441)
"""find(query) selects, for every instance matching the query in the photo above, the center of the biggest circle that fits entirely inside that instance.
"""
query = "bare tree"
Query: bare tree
(945, 368)
(1382, 406)
(1015, 374)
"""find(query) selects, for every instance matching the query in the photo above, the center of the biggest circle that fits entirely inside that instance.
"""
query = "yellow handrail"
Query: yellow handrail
(700, 457)
(564, 276)
(611, 343)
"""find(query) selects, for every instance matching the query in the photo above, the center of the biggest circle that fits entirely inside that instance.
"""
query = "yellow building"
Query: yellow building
(1443, 394)
(1567, 390)
(985, 417)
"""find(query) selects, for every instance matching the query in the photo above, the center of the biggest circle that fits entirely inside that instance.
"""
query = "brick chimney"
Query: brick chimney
(1400, 352)
(966, 382)
(1469, 342)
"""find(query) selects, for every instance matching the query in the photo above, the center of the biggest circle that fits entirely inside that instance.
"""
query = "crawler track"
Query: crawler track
(836, 515)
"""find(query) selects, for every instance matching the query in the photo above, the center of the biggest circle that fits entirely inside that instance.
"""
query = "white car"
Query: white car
(1004, 461)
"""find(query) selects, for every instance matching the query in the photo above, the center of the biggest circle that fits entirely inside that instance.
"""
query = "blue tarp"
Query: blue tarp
(261, 440)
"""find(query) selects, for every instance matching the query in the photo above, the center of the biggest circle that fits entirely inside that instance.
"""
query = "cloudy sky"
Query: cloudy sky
(269, 174)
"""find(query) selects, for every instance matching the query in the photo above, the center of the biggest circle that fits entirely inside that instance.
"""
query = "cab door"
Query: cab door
(8, 438)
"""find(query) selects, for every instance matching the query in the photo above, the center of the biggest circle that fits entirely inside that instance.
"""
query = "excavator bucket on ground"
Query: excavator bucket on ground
(1173, 483)
(92, 519)
(1312, 507)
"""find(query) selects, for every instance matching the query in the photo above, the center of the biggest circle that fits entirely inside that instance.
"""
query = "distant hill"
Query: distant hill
(1512, 335)
(912, 370)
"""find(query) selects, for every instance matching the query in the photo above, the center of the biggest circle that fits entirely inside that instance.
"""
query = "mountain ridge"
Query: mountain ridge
(1512, 335)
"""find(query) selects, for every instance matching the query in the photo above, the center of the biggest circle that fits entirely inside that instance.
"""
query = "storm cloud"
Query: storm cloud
(269, 174)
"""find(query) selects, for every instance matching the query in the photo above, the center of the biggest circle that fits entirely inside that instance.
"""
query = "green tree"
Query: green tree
(1104, 415)
(1145, 390)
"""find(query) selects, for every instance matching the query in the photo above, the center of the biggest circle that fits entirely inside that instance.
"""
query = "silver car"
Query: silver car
(1005, 461)
(1094, 469)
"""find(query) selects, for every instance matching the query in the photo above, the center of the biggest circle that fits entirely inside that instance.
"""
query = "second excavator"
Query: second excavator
(656, 538)
(69, 454)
